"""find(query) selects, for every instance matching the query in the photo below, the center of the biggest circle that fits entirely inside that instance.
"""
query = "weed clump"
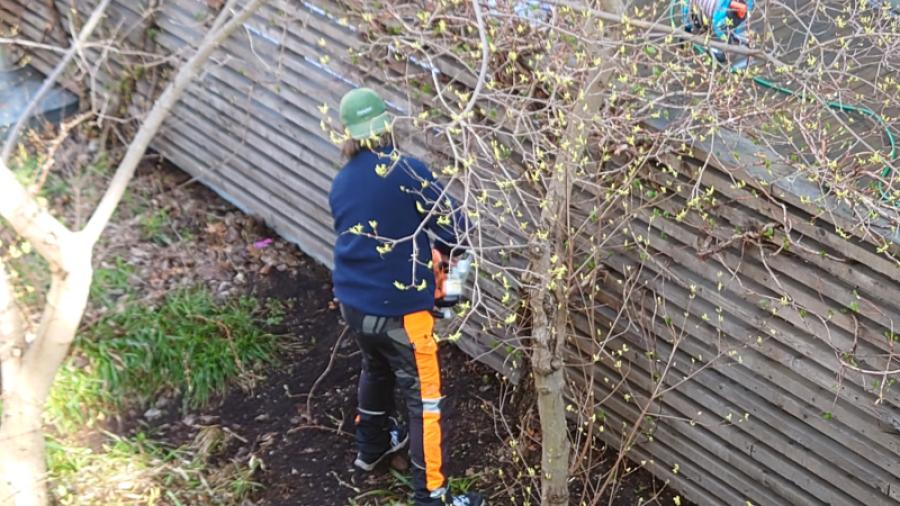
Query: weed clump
(190, 345)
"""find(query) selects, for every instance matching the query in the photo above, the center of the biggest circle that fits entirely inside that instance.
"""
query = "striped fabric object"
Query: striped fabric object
(706, 7)
(713, 14)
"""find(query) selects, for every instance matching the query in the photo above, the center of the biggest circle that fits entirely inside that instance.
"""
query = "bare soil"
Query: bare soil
(309, 461)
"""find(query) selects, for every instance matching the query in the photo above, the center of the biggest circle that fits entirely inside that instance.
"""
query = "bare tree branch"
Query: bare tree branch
(74, 49)
(155, 118)
(7, 41)
(31, 220)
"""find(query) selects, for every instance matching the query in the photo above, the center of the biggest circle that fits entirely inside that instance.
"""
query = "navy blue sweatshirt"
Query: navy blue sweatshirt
(376, 197)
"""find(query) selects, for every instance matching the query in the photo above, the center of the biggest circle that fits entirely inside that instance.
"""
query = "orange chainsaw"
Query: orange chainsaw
(449, 278)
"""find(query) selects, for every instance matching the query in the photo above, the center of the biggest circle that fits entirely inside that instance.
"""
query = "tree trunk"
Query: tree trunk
(22, 464)
(549, 313)
(27, 378)
(549, 382)
(548, 298)
(21, 444)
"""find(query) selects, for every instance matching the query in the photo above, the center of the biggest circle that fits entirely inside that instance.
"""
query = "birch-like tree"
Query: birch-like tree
(30, 360)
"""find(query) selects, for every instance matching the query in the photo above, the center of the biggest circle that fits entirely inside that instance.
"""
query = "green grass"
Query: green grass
(112, 283)
(461, 485)
(77, 400)
(140, 471)
(190, 346)
(157, 227)
(399, 492)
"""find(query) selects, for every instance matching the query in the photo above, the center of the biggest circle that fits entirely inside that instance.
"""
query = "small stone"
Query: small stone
(152, 414)
(399, 463)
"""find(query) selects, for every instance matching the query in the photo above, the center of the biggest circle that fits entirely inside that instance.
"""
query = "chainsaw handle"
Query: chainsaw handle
(441, 268)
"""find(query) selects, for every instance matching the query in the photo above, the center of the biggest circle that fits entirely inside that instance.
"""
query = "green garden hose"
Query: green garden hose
(839, 106)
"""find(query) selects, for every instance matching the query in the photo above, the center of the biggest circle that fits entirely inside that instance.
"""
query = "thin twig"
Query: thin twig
(50, 158)
(309, 396)
(336, 430)
(160, 111)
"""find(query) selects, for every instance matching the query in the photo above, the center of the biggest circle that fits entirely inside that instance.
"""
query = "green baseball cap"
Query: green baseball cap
(364, 114)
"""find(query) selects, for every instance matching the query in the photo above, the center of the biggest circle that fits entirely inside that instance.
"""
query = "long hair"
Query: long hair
(352, 146)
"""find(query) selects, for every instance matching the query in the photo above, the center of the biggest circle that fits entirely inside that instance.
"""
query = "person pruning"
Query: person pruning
(385, 207)
(726, 20)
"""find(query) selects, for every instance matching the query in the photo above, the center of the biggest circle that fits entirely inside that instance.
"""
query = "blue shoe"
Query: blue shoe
(399, 439)
(442, 497)
(468, 499)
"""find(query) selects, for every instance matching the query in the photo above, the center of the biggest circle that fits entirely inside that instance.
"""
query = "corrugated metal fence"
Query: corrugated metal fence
(778, 419)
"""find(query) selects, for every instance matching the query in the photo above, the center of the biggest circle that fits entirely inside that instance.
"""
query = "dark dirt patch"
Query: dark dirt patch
(310, 462)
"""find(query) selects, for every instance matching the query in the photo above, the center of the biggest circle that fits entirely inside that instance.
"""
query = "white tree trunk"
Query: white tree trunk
(28, 370)
(22, 464)
(20, 428)
(27, 378)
